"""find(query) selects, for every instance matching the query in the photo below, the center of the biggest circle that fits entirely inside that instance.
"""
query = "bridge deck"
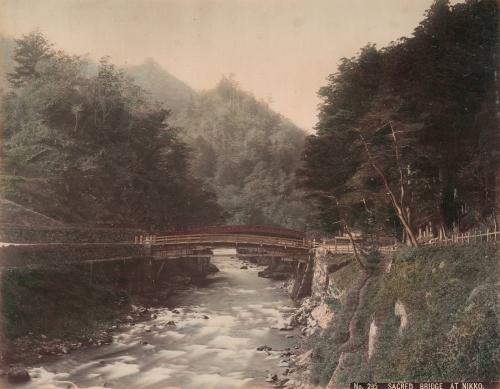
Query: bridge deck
(229, 240)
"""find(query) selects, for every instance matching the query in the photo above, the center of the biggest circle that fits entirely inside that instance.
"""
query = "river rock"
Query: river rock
(304, 359)
(322, 315)
(281, 383)
(244, 267)
(264, 348)
(18, 375)
(212, 268)
(272, 378)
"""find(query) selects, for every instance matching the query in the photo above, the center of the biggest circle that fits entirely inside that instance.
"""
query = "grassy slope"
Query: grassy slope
(449, 294)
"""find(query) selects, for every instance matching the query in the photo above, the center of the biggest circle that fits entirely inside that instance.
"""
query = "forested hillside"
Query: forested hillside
(407, 136)
(88, 142)
(90, 147)
(162, 86)
(248, 154)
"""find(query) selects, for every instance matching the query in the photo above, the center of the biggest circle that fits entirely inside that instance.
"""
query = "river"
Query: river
(218, 327)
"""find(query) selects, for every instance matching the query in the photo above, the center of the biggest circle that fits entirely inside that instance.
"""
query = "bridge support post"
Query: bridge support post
(91, 273)
(302, 285)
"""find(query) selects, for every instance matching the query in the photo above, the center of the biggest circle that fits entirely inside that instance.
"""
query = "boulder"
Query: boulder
(17, 375)
(304, 359)
(272, 378)
(212, 268)
(322, 315)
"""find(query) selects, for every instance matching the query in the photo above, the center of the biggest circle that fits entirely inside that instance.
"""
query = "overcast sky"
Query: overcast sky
(281, 50)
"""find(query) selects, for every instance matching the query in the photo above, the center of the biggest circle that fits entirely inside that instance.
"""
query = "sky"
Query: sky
(280, 50)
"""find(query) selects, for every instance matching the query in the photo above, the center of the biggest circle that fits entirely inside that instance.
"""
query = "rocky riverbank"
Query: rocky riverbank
(365, 325)
(53, 312)
(233, 331)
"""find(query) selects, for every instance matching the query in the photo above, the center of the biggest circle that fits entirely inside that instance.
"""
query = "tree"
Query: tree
(435, 89)
(30, 50)
(98, 149)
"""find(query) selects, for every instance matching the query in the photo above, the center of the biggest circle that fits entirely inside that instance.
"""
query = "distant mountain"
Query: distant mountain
(164, 87)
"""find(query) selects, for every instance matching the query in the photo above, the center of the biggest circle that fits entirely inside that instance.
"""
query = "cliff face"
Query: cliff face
(420, 314)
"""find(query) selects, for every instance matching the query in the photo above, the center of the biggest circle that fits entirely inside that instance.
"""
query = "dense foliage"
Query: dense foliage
(84, 146)
(435, 90)
(248, 154)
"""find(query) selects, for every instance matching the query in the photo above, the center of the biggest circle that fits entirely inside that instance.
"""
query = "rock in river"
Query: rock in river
(212, 268)
(18, 375)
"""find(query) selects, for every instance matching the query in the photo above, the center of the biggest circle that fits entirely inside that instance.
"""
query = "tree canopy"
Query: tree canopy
(434, 90)
(92, 148)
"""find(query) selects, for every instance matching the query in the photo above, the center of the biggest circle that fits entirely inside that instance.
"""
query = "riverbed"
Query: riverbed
(206, 338)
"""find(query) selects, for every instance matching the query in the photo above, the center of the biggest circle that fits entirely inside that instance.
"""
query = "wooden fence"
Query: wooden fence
(466, 238)
(342, 245)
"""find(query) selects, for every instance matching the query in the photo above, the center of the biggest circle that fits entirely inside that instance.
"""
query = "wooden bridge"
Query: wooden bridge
(253, 241)
(185, 244)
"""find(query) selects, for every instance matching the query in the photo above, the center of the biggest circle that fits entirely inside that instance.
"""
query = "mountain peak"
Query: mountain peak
(163, 86)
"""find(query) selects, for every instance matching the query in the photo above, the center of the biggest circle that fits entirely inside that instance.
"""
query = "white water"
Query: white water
(243, 311)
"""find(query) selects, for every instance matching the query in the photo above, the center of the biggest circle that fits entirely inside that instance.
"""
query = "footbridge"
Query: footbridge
(285, 252)
(249, 241)
(145, 260)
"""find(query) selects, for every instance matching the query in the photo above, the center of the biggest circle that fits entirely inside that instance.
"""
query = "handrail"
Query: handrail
(224, 238)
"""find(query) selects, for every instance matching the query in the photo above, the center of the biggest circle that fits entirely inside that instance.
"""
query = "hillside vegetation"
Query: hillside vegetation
(247, 154)
(73, 127)
(435, 314)
(87, 147)
(161, 86)
(407, 136)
